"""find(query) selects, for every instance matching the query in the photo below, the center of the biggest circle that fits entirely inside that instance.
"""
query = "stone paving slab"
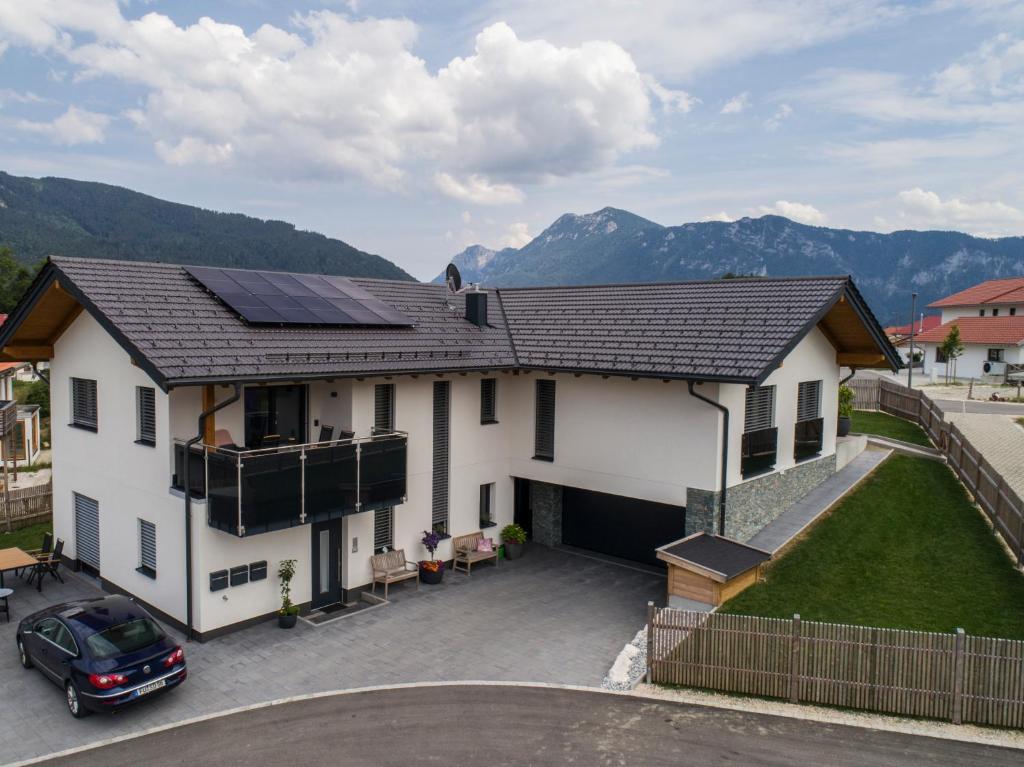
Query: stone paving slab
(1000, 439)
(548, 617)
(801, 514)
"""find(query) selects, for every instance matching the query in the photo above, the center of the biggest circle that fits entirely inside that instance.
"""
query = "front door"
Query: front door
(326, 558)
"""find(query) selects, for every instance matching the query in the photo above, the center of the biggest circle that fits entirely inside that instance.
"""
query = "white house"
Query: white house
(990, 317)
(333, 417)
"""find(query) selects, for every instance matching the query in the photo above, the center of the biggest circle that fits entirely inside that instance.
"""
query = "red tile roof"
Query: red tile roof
(1008, 291)
(979, 330)
(926, 323)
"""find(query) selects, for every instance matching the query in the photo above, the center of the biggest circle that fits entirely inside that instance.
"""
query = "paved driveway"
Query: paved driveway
(549, 617)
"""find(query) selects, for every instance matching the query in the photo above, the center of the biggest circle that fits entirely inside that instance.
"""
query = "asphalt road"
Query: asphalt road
(980, 406)
(497, 725)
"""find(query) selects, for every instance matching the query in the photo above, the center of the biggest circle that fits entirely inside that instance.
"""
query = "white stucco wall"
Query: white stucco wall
(970, 364)
(953, 312)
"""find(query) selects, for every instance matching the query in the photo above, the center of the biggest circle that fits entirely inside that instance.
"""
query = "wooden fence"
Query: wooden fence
(956, 677)
(997, 499)
(26, 506)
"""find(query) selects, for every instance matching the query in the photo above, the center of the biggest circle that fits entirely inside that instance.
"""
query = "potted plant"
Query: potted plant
(288, 613)
(514, 538)
(846, 396)
(431, 570)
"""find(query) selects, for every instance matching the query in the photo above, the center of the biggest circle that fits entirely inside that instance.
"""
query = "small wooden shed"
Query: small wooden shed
(710, 568)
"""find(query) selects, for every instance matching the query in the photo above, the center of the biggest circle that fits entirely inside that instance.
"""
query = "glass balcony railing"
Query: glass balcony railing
(758, 451)
(259, 491)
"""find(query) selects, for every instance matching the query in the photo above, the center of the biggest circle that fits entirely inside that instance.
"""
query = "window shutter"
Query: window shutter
(544, 433)
(383, 528)
(808, 401)
(147, 545)
(760, 409)
(83, 403)
(384, 408)
(145, 401)
(439, 501)
(488, 403)
(87, 530)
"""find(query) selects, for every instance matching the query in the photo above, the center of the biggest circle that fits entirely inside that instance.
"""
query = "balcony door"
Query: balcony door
(275, 415)
(326, 561)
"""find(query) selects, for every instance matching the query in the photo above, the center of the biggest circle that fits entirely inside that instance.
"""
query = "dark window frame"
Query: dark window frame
(940, 356)
(145, 410)
(999, 355)
(488, 491)
(488, 401)
(441, 460)
(383, 408)
(759, 446)
(545, 400)
(147, 564)
(85, 404)
(386, 513)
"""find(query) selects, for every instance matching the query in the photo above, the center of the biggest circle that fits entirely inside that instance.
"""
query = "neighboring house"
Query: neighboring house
(344, 416)
(899, 335)
(27, 439)
(9, 372)
(990, 317)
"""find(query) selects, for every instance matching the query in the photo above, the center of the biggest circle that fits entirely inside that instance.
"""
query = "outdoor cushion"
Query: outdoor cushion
(485, 544)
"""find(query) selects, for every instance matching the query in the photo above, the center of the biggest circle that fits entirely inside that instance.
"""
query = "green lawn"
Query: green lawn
(905, 550)
(885, 425)
(26, 538)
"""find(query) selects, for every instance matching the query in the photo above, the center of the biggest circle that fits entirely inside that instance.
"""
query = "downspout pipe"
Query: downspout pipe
(186, 481)
(39, 373)
(725, 453)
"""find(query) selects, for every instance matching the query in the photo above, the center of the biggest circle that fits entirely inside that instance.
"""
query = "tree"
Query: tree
(951, 348)
(14, 280)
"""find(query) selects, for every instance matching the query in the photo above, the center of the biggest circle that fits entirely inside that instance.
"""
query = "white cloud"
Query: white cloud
(75, 126)
(736, 104)
(921, 207)
(672, 101)
(902, 152)
(797, 211)
(778, 116)
(335, 97)
(478, 190)
(517, 235)
(720, 216)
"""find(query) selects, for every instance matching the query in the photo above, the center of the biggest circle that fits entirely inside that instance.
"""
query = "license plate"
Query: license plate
(151, 687)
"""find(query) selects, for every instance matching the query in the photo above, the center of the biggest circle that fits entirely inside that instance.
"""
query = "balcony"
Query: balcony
(808, 439)
(259, 491)
(758, 452)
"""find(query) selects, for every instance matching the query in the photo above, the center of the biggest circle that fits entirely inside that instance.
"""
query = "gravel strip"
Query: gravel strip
(630, 666)
(933, 729)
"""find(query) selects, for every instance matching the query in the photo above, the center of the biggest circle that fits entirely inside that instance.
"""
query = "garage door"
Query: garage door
(622, 527)
(87, 530)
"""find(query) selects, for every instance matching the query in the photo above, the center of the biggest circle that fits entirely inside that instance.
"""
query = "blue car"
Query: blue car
(105, 653)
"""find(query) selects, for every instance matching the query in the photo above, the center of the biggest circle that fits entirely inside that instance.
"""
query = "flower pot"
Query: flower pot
(844, 426)
(287, 621)
(431, 577)
(514, 550)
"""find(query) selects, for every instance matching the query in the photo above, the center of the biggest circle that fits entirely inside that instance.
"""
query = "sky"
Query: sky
(412, 130)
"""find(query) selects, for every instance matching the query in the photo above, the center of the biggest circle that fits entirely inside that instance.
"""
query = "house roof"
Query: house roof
(728, 330)
(715, 554)
(1006, 291)
(923, 324)
(979, 330)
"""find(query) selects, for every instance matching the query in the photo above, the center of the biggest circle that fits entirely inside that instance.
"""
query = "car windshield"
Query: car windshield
(124, 638)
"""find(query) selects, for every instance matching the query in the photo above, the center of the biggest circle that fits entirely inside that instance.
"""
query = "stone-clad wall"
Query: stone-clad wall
(753, 504)
(546, 501)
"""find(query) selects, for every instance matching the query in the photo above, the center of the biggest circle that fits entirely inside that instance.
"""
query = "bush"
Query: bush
(513, 534)
(846, 397)
(39, 394)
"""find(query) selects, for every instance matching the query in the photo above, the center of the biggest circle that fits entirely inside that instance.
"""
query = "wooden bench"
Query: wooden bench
(466, 553)
(391, 567)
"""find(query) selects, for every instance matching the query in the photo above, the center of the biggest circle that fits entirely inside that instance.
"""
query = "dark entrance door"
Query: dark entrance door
(522, 512)
(622, 527)
(275, 414)
(326, 560)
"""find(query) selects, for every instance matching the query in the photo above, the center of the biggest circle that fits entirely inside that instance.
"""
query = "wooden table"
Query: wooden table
(15, 559)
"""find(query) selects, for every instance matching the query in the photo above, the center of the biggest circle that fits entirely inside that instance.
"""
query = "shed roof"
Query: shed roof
(718, 555)
(728, 330)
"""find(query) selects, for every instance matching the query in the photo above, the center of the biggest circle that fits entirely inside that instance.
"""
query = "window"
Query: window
(995, 312)
(1013, 311)
(760, 408)
(439, 495)
(83, 404)
(384, 408)
(145, 415)
(940, 356)
(125, 638)
(147, 548)
(759, 445)
(488, 400)
(995, 355)
(87, 530)
(809, 429)
(56, 632)
(544, 427)
(487, 505)
(981, 312)
(383, 529)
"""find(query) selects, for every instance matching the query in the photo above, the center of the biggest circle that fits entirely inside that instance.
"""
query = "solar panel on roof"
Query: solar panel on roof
(279, 298)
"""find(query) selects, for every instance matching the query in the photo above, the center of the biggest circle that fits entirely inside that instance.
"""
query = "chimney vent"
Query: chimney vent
(476, 306)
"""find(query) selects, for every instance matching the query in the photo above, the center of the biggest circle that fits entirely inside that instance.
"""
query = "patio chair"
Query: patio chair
(41, 553)
(326, 432)
(49, 565)
(271, 440)
(4, 593)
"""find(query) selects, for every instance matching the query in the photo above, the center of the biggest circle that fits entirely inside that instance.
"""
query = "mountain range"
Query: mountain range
(615, 245)
(40, 217)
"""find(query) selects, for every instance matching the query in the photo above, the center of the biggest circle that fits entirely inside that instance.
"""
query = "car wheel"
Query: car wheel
(74, 702)
(26, 661)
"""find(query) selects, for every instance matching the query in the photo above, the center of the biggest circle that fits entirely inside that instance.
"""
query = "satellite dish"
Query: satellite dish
(452, 278)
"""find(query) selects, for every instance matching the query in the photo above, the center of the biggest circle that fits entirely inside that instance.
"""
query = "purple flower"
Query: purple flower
(430, 541)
